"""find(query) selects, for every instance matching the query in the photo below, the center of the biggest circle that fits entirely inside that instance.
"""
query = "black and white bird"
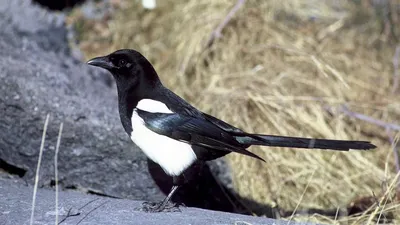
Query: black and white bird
(173, 133)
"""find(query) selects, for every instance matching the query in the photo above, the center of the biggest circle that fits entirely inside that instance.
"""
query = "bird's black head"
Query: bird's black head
(127, 66)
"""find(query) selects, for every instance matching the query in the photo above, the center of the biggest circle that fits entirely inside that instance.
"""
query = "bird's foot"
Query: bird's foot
(153, 207)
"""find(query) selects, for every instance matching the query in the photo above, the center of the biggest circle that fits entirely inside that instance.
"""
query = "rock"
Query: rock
(90, 209)
(38, 77)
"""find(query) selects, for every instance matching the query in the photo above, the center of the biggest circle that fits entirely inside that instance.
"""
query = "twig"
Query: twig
(92, 211)
(217, 32)
(396, 75)
(56, 168)
(368, 119)
(69, 214)
(395, 151)
(302, 196)
(381, 212)
(38, 168)
(337, 213)
(378, 204)
(387, 126)
(242, 222)
(88, 203)
(396, 159)
(384, 196)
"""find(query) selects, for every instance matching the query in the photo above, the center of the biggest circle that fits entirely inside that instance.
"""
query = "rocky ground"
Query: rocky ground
(77, 208)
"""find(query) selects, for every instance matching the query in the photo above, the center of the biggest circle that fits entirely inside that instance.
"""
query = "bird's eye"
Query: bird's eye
(121, 63)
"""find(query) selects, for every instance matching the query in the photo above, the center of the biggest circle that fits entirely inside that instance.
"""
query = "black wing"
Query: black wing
(223, 125)
(193, 130)
(180, 106)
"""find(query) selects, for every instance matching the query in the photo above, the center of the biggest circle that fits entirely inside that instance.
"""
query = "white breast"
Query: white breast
(172, 155)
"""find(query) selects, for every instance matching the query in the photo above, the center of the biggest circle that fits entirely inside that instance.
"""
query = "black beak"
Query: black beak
(102, 62)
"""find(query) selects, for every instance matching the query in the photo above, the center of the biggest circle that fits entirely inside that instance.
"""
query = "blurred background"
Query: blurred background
(312, 68)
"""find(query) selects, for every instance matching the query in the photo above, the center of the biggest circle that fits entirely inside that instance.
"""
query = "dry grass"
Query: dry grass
(275, 71)
(37, 173)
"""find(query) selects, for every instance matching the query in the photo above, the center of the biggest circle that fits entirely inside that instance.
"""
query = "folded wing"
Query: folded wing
(193, 130)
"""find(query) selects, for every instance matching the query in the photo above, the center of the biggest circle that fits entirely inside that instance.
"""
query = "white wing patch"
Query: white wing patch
(153, 106)
(173, 156)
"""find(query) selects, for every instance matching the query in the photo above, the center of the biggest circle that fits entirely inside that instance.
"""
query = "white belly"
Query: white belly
(172, 155)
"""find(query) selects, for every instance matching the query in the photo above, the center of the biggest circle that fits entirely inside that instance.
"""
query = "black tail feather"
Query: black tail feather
(297, 142)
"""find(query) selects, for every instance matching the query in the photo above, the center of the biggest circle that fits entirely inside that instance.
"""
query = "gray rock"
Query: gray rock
(38, 76)
(89, 209)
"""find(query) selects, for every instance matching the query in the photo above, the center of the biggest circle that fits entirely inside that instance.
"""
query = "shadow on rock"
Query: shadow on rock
(204, 190)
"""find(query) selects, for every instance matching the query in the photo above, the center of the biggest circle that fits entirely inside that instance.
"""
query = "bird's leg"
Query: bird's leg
(165, 205)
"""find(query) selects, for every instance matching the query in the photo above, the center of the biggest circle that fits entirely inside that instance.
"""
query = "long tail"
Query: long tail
(297, 142)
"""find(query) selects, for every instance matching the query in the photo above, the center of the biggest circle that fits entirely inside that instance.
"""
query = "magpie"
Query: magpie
(174, 134)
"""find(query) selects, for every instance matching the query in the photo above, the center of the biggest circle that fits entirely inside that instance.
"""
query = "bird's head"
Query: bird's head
(127, 65)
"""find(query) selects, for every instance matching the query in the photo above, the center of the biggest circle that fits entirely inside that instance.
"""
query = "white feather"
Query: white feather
(153, 106)
(173, 156)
